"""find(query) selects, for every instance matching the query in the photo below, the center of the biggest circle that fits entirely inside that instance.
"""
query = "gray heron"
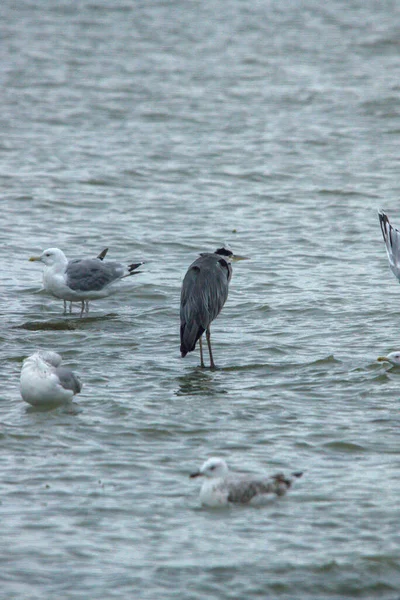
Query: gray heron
(204, 293)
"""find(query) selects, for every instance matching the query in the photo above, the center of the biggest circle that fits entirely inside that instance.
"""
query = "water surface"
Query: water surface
(160, 130)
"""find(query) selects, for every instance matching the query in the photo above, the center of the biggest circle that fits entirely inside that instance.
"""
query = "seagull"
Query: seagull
(44, 382)
(392, 357)
(223, 488)
(204, 293)
(391, 237)
(82, 279)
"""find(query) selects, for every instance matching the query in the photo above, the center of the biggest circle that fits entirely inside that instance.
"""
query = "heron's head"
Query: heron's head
(392, 357)
(213, 467)
(227, 253)
(50, 257)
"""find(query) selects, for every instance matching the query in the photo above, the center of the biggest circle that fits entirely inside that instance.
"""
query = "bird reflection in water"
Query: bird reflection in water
(199, 382)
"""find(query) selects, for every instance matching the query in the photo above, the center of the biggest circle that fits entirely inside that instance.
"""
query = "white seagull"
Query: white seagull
(222, 488)
(44, 382)
(83, 279)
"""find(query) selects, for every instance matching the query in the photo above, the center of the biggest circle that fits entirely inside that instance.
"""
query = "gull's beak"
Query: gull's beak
(196, 474)
(383, 359)
(235, 258)
(32, 258)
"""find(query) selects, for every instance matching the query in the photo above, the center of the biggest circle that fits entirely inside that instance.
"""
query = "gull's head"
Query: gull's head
(41, 360)
(213, 467)
(392, 357)
(50, 257)
(50, 357)
(227, 253)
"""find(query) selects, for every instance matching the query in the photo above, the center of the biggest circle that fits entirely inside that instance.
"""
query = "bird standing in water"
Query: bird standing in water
(81, 280)
(204, 293)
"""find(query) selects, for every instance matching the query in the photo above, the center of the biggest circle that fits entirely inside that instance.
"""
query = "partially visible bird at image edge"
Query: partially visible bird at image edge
(391, 237)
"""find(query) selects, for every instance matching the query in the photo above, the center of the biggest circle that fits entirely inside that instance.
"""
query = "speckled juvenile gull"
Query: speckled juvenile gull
(221, 487)
(391, 237)
(81, 279)
(43, 381)
(392, 357)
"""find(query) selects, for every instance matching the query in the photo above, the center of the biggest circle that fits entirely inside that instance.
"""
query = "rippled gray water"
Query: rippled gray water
(160, 130)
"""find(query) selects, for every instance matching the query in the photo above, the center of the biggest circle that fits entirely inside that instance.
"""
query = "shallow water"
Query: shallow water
(161, 130)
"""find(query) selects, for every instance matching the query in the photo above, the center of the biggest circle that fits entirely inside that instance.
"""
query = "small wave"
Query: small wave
(345, 446)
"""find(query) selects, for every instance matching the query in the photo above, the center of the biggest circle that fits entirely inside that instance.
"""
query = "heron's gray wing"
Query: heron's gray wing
(191, 329)
(92, 274)
(68, 379)
(391, 237)
(204, 293)
(204, 290)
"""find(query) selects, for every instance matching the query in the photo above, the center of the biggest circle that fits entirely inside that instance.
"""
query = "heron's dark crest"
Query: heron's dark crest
(224, 252)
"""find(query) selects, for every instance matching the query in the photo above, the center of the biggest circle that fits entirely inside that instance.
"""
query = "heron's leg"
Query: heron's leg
(87, 306)
(70, 307)
(65, 307)
(202, 365)
(208, 337)
(82, 307)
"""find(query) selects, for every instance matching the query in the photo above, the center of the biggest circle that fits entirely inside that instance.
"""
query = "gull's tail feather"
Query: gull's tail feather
(280, 477)
(282, 483)
(102, 254)
(132, 269)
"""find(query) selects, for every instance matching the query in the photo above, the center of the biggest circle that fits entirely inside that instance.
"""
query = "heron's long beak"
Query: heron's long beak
(235, 258)
(383, 359)
(196, 474)
(32, 258)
